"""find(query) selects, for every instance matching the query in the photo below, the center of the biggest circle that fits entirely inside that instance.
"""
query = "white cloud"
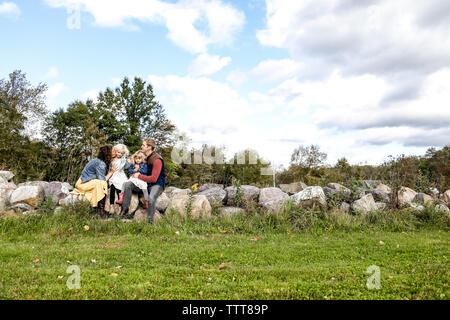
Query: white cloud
(218, 21)
(91, 94)
(53, 92)
(206, 64)
(237, 77)
(52, 73)
(9, 9)
(276, 70)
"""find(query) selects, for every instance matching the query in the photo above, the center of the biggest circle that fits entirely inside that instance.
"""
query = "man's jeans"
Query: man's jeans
(153, 193)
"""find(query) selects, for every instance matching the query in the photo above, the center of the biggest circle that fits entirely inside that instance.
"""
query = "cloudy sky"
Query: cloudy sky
(363, 79)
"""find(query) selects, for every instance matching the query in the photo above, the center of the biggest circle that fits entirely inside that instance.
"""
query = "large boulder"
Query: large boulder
(43, 184)
(292, 188)
(383, 188)
(30, 195)
(57, 190)
(273, 199)
(365, 204)
(446, 196)
(249, 195)
(215, 195)
(230, 211)
(200, 206)
(71, 199)
(423, 198)
(345, 207)
(337, 190)
(172, 191)
(405, 196)
(6, 188)
(380, 195)
(208, 186)
(309, 197)
(141, 215)
(6, 176)
(162, 202)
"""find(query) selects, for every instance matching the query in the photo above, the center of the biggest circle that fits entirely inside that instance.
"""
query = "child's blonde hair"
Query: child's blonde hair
(140, 155)
(123, 148)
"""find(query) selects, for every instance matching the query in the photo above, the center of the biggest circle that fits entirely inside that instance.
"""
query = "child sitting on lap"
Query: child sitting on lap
(138, 165)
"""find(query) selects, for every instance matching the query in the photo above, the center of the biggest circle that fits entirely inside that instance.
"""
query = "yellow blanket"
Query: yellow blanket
(94, 190)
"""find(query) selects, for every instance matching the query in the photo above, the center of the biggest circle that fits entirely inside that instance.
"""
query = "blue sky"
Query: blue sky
(361, 79)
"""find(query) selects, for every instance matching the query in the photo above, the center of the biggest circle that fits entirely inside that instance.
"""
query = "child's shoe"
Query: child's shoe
(146, 204)
(120, 201)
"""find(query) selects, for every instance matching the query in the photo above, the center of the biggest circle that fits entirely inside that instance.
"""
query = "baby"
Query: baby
(138, 165)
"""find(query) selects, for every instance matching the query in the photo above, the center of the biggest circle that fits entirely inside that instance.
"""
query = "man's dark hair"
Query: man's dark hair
(104, 154)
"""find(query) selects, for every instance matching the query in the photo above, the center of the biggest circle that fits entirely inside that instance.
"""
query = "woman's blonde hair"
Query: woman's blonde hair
(139, 154)
(123, 148)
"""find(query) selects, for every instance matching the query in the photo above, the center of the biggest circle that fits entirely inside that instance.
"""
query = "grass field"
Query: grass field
(296, 255)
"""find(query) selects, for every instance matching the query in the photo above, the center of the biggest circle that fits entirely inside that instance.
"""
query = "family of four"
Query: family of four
(147, 177)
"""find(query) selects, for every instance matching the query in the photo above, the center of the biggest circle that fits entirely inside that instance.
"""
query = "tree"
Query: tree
(308, 157)
(130, 113)
(21, 105)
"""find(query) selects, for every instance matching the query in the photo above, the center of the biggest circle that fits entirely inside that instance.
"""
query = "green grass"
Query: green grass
(298, 255)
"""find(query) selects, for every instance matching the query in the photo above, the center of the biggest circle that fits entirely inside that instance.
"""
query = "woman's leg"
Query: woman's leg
(112, 191)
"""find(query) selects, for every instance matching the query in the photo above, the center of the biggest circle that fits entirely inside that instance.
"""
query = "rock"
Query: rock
(446, 196)
(230, 211)
(423, 198)
(292, 188)
(345, 207)
(416, 206)
(370, 184)
(200, 206)
(309, 197)
(57, 210)
(57, 190)
(339, 188)
(361, 192)
(405, 196)
(383, 188)
(6, 188)
(43, 184)
(162, 202)
(328, 190)
(71, 199)
(30, 195)
(208, 186)
(141, 215)
(215, 195)
(380, 205)
(441, 207)
(433, 192)
(365, 204)
(6, 175)
(250, 195)
(273, 199)
(23, 207)
(171, 193)
(380, 195)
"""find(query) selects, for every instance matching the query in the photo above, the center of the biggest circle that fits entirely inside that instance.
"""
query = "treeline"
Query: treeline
(37, 144)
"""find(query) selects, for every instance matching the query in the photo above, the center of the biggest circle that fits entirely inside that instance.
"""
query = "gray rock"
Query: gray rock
(309, 197)
(380, 205)
(381, 196)
(162, 202)
(250, 194)
(29, 194)
(23, 207)
(215, 195)
(6, 175)
(345, 207)
(57, 190)
(383, 188)
(208, 186)
(230, 211)
(365, 204)
(339, 188)
(71, 199)
(292, 188)
(200, 206)
(43, 184)
(441, 207)
(6, 188)
(405, 196)
(416, 206)
(141, 215)
(371, 184)
(423, 198)
(273, 199)
(446, 196)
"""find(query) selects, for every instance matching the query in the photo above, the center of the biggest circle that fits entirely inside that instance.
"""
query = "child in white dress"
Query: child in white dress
(138, 165)
(120, 153)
